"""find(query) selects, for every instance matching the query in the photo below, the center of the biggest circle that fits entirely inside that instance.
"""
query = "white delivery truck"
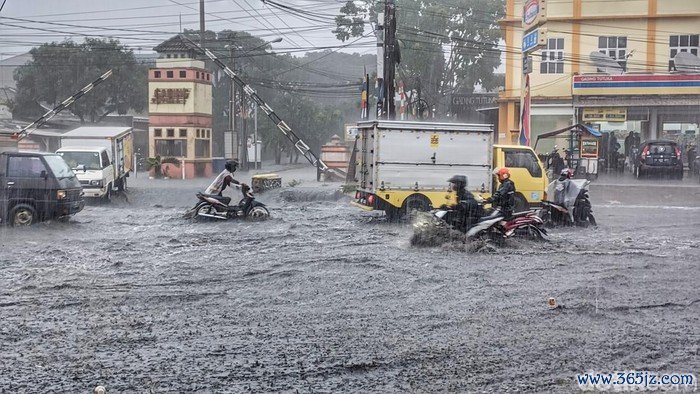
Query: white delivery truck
(101, 157)
(401, 166)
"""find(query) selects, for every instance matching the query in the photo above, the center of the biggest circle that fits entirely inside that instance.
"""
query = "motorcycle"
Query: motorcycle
(496, 227)
(572, 205)
(212, 206)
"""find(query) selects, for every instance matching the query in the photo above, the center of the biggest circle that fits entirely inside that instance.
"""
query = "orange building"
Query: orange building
(180, 109)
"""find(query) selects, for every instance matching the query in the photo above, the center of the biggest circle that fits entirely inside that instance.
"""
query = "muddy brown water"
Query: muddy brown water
(325, 298)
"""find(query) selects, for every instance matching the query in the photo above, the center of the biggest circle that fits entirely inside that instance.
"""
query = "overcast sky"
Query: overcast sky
(142, 24)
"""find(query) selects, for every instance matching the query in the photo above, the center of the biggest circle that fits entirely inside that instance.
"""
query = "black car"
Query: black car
(37, 186)
(659, 157)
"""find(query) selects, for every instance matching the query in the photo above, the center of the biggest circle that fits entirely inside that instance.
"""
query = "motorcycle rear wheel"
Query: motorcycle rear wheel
(535, 233)
(204, 209)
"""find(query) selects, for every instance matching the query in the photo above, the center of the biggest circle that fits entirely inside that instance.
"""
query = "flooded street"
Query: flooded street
(326, 298)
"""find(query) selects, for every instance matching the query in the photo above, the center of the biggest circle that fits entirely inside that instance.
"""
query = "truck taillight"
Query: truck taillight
(678, 153)
(357, 195)
(370, 199)
(645, 152)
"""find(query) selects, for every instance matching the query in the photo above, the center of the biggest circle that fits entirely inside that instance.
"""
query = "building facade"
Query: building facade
(608, 63)
(180, 109)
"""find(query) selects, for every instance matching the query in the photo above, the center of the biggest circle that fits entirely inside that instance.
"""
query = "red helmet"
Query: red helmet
(502, 173)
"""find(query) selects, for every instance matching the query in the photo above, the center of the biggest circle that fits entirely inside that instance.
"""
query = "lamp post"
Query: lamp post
(239, 145)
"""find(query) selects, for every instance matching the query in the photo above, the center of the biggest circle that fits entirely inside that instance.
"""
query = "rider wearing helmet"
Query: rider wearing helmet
(466, 204)
(504, 198)
(224, 179)
(561, 187)
(565, 174)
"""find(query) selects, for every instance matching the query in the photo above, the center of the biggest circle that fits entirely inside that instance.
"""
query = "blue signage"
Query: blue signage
(530, 40)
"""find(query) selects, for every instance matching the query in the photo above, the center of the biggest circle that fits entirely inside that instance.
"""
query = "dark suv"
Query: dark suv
(659, 157)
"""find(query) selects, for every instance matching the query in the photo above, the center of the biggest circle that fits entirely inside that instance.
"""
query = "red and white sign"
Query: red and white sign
(533, 13)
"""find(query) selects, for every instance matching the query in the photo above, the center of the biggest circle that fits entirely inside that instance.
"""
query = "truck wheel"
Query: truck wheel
(416, 202)
(393, 214)
(22, 215)
(108, 195)
(521, 204)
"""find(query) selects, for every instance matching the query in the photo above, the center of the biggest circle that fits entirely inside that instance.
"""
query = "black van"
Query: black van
(37, 186)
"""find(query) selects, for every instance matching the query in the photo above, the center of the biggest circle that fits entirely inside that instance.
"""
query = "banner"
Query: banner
(525, 114)
(364, 103)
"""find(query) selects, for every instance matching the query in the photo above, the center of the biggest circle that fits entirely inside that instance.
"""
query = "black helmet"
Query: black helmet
(459, 180)
(231, 165)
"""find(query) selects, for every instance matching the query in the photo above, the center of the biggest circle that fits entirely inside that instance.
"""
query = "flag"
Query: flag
(364, 103)
(525, 114)
(402, 101)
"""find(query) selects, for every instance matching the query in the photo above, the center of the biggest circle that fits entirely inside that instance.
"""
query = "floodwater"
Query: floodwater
(326, 298)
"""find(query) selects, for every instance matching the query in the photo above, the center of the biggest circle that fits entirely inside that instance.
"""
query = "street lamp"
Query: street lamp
(240, 144)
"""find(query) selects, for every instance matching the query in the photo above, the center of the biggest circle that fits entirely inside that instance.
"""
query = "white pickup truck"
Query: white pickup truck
(101, 157)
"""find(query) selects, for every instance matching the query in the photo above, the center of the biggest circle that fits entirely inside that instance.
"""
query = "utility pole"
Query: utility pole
(231, 106)
(380, 87)
(201, 23)
(390, 59)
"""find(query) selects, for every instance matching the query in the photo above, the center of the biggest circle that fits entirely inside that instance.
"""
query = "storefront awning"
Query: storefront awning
(581, 128)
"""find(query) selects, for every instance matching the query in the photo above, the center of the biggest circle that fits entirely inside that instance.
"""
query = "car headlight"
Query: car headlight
(61, 194)
(97, 183)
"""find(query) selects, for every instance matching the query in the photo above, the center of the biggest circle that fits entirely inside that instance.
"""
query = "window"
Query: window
(167, 56)
(171, 148)
(201, 149)
(208, 133)
(615, 48)
(197, 74)
(156, 74)
(208, 77)
(105, 159)
(157, 132)
(183, 74)
(523, 159)
(183, 133)
(553, 57)
(684, 43)
(24, 167)
(170, 132)
(169, 74)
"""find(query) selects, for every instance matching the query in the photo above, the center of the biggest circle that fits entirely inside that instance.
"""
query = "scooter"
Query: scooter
(573, 206)
(212, 206)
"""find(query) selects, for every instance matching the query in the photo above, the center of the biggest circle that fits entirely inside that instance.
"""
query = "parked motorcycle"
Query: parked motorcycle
(571, 205)
(496, 227)
(212, 206)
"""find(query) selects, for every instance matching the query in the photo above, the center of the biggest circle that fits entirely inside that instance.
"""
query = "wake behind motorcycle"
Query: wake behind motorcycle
(495, 226)
(216, 207)
(572, 205)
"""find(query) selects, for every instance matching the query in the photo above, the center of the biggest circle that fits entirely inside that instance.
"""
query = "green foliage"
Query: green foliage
(59, 70)
(156, 163)
(446, 45)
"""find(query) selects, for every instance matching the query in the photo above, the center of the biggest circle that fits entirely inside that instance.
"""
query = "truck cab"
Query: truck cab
(94, 168)
(37, 186)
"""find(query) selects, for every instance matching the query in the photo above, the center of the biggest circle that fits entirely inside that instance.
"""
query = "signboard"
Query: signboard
(644, 85)
(534, 40)
(465, 106)
(351, 132)
(589, 149)
(604, 114)
(170, 96)
(534, 13)
(434, 140)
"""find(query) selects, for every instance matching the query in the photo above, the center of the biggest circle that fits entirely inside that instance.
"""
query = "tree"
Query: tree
(447, 46)
(58, 70)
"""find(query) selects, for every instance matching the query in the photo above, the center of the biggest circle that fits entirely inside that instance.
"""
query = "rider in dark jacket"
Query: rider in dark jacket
(504, 198)
(469, 208)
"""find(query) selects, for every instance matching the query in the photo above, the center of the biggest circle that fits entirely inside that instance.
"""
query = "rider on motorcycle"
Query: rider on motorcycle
(468, 207)
(224, 179)
(503, 200)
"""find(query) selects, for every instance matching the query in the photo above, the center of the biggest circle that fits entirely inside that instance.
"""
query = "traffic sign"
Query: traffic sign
(527, 64)
(534, 40)
(534, 13)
